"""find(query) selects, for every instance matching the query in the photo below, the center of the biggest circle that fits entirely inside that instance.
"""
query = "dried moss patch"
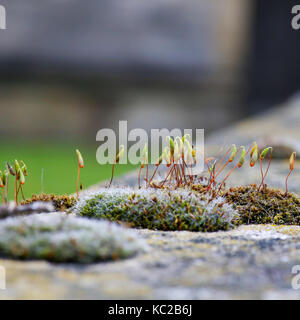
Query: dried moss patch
(60, 202)
(157, 209)
(59, 237)
(261, 207)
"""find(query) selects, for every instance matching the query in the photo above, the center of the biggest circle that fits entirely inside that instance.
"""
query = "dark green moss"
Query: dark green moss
(60, 202)
(260, 207)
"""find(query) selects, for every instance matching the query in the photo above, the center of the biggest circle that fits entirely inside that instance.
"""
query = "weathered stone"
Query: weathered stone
(251, 262)
(279, 125)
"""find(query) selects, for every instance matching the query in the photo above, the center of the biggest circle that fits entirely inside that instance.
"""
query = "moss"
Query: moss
(157, 209)
(60, 202)
(261, 207)
(59, 237)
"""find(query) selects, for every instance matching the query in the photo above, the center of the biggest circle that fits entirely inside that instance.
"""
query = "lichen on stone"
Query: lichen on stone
(59, 237)
(158, 209)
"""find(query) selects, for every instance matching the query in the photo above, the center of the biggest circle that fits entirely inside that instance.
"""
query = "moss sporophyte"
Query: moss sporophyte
(80, 166)
(119, 155)
(19, 173)
(179, 200)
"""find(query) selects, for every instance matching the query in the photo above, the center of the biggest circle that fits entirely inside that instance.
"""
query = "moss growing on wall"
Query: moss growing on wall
(157, 209)
(266, 206)
(60, 202)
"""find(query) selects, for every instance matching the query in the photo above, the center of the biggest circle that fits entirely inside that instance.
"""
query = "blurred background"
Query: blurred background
(71, 67)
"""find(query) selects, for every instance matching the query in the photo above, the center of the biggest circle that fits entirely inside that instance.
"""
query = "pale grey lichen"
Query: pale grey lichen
(58, 237)
(158, 209)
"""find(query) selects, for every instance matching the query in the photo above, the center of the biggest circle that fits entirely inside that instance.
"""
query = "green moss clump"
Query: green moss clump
(59, 237)
(61, 202)
(157, 209)
(261, 207)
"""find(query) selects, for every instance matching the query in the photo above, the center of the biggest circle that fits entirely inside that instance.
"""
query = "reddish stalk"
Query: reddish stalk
(239, 164)
(112, 174)
(192, 177)
(80, 165)
(140, 176)
(286, 182)
(6, 188)
(252, 145)
(167, 176)
(183, 165)
(20, 188)
(153, 175)
(266, 172)
(77, 192)
(179, 174)
(219, 164)
(16, 194)
(228, 161)
(261, 171)
(176, 173)
(183, 171)
(292, 164)
(188, 171)
(211, 172)
(229, 173)
(214, 176)
(261, 157)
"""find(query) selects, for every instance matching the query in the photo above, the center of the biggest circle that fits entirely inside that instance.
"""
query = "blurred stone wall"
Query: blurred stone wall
(71, 67)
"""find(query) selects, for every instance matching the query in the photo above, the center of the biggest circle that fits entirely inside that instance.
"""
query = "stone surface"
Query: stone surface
(278, 125)
(251, 262)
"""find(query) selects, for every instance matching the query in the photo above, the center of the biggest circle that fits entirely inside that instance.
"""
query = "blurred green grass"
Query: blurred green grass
(59, 162)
